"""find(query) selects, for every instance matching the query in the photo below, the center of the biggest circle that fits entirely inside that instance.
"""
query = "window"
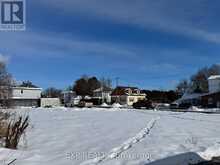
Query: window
(137, 91)
(22, 91)
(128, 91)
(131, 99)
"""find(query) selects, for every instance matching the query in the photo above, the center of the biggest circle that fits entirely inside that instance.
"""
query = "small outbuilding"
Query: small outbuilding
(50, 102)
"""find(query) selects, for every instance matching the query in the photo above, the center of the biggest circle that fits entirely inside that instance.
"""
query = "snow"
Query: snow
(214, 77)
(116, 105)
(190, 96)
(207, 110)
(194, 108)
(104, 105)
(62, 136)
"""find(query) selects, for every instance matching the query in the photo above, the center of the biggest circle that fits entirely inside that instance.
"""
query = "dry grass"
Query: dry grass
(14, 132)
(11, 131)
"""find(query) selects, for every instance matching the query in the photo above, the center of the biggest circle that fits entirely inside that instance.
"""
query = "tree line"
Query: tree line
(84, 86)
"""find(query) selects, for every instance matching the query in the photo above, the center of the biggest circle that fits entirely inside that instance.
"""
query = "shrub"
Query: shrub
(15, 131)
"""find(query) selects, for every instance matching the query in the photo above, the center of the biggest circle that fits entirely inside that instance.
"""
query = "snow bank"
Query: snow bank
(209, 153)
(196, 109)
(104, 105)
(116, 105)
(207, 110)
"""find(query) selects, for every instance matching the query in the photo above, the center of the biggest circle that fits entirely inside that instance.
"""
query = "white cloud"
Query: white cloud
(58, 45)
(189, 18)
(4, 58)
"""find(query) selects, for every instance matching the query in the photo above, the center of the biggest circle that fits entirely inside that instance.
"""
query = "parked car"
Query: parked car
(162, 106)
(180, 106)
(85, 103)
(185, 105)
(174, 106)
(73, 102)
(147, 104)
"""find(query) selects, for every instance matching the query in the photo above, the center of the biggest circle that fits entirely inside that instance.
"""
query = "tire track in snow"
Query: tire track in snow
(115, 152)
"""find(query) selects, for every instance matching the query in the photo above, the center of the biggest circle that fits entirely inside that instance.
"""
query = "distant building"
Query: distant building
(127, 95)
(70, 99)
(214, 83)
(103, 94)
(210, 99)
(50, 102)
(23, 97)
(190, 99)
(67, 96)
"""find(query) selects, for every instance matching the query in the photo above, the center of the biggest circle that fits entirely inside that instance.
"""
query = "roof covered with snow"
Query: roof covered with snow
(214, 77)
(190, 96)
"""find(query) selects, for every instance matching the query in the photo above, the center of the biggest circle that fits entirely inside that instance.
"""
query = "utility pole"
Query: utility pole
(117, 81)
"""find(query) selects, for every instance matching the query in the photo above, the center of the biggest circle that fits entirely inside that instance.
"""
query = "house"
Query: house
(70, 99)
(190, 99)
(127, 95)
(67, 96)
(103, 94)
(22, 96)
(210, 99)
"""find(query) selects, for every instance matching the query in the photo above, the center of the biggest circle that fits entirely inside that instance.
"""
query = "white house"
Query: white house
(26, 93)
(127, 95)
(103, 94)
(25, 97)
(205, 99)
(214, 83)
(70, 99)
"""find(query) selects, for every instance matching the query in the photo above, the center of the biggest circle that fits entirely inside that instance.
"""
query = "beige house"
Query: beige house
(127, 95)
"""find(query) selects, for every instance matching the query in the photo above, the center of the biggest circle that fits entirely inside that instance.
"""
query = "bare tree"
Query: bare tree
(5, 85)
(28, 84)
(106, 82)
(52, 93)
(199, 81)
(182, 87)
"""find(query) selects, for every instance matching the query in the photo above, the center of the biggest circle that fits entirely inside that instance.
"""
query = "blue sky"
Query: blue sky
(151, 44)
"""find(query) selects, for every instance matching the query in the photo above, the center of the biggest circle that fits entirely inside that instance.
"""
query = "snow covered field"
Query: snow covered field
(115, 137)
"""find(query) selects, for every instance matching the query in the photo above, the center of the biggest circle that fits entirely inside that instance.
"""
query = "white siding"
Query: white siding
(54, 102)
(26, 93)
(214, 85)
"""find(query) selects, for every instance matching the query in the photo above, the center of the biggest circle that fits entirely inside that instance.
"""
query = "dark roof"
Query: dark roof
(121, 90)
